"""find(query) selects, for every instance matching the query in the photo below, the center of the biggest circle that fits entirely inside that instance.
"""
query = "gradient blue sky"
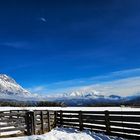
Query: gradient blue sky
(43, 42)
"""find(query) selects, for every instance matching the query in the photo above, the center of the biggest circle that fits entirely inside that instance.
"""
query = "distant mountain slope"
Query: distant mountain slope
(8, 86)
(10, 89)
(85, 93)
(84, 97)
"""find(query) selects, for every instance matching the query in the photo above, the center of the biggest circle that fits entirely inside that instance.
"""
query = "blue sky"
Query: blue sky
(45, 42)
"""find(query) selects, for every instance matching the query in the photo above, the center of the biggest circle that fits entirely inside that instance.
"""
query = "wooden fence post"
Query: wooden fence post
(31, 123)
(18, 112)
(42, 123)
(48, 117)
(55, 118)
(28, 123)
(80, 121)
(10, 117)
(34, 122)
(107, 122)
(61, 117)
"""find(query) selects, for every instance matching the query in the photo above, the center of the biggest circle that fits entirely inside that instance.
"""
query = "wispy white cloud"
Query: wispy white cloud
(43, 19)
(20, 44)
(15, 44)
(38, 89)
(124, 83)
(123, 87)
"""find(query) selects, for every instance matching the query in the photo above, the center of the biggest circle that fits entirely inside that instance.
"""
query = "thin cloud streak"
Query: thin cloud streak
(123, 83)
(43, 19)
(38, 89)
(123, 87)
(16, 44)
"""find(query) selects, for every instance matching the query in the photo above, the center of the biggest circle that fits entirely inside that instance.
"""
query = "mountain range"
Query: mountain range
(85, 97)
(81, 97)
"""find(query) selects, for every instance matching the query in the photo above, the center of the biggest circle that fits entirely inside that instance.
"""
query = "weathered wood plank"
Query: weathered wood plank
(130, 131)
(125, 112)
(93, 112)
(124, 118)
(93, 117)
(71, 124)
(94, 126)
(64, 111)
(122, 124)
(13, 129)
(94, 121)
(68, 120)
(68, 116)
(123, 135)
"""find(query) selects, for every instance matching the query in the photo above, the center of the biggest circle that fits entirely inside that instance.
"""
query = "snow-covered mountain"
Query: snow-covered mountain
(84, 96)
(10, 89)
(81, 93)
(8, 86)
(85, 93)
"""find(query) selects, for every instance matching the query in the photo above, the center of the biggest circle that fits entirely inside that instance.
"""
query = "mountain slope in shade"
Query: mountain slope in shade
(8, 86)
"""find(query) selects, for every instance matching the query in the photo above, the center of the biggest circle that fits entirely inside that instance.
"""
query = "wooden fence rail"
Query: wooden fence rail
(117, 123)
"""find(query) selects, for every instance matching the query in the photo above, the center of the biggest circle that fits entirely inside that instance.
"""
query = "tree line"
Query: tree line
(15, 103)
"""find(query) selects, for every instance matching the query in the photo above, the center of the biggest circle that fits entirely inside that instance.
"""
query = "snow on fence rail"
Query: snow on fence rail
(117, 123)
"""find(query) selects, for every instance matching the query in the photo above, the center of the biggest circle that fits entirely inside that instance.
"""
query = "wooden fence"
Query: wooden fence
(23, 122)
(39, 122)
(12, 121)
(117, 123)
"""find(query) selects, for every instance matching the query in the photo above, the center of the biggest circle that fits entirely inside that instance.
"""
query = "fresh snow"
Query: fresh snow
(80, 93)
(72, 108)
(66, 134)
(8, 86)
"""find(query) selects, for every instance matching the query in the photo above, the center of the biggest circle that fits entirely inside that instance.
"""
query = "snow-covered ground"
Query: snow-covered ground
(72, 108)
(66, 134)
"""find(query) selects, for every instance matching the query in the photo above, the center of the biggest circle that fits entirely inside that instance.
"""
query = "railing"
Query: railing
(124, 124)
(12, 121)
(39, 122)
(23, 122)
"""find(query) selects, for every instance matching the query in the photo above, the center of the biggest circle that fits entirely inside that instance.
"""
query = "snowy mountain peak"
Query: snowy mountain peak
(82, 93)
(8, 86)
(6, 78)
